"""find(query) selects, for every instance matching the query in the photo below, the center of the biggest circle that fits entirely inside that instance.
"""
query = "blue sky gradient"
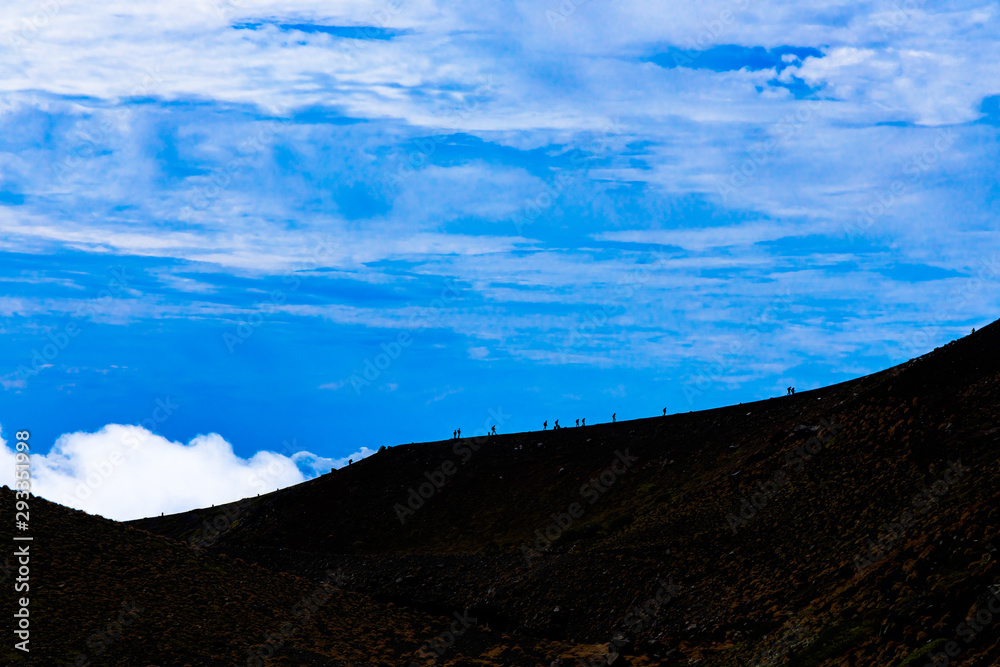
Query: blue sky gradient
(566, 209)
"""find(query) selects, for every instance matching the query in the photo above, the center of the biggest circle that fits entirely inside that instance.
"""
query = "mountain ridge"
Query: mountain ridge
(850, 524)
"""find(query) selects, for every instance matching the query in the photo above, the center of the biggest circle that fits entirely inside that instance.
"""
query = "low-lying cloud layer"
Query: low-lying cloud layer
(126, 472)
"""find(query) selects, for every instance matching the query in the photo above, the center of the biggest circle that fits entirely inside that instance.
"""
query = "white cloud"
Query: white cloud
(333, 386)
(364, 452)
(708, 238)
(142, 48)
(680, 134)
(126, 472)
(15, 381)
(448, 391)
(617, 391)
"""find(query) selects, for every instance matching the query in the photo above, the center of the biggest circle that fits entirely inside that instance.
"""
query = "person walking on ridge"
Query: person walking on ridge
(577, 422)
(545, 424)
(664, 412)
(613, 417)
(494, 429)
(584, 421)
(556, 425)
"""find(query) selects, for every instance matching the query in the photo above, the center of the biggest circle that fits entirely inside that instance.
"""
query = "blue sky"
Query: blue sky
(565, 209)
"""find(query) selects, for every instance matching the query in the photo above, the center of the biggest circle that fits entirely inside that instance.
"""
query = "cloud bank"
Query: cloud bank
(126, 472)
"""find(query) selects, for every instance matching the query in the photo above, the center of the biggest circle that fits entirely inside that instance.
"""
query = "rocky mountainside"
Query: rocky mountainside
(856, 524)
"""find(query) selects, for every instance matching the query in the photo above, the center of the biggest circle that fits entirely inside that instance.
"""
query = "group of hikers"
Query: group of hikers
(457, 433)
(583, 421)
(555, 425)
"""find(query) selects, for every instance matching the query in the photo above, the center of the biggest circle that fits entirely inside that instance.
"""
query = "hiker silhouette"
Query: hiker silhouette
(664, 412)
(460, 433)
(545, 424)
(577, 422)
(454, 435)
(613, 420)
(584, 421)
(494, 429)
(556, 425)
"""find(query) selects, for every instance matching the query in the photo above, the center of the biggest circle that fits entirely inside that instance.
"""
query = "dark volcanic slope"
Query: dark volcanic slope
(103, 593)
(765, 516)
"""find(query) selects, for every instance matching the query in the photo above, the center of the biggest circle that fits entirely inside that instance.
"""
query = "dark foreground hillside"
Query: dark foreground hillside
(852, 525)
(103, 593)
